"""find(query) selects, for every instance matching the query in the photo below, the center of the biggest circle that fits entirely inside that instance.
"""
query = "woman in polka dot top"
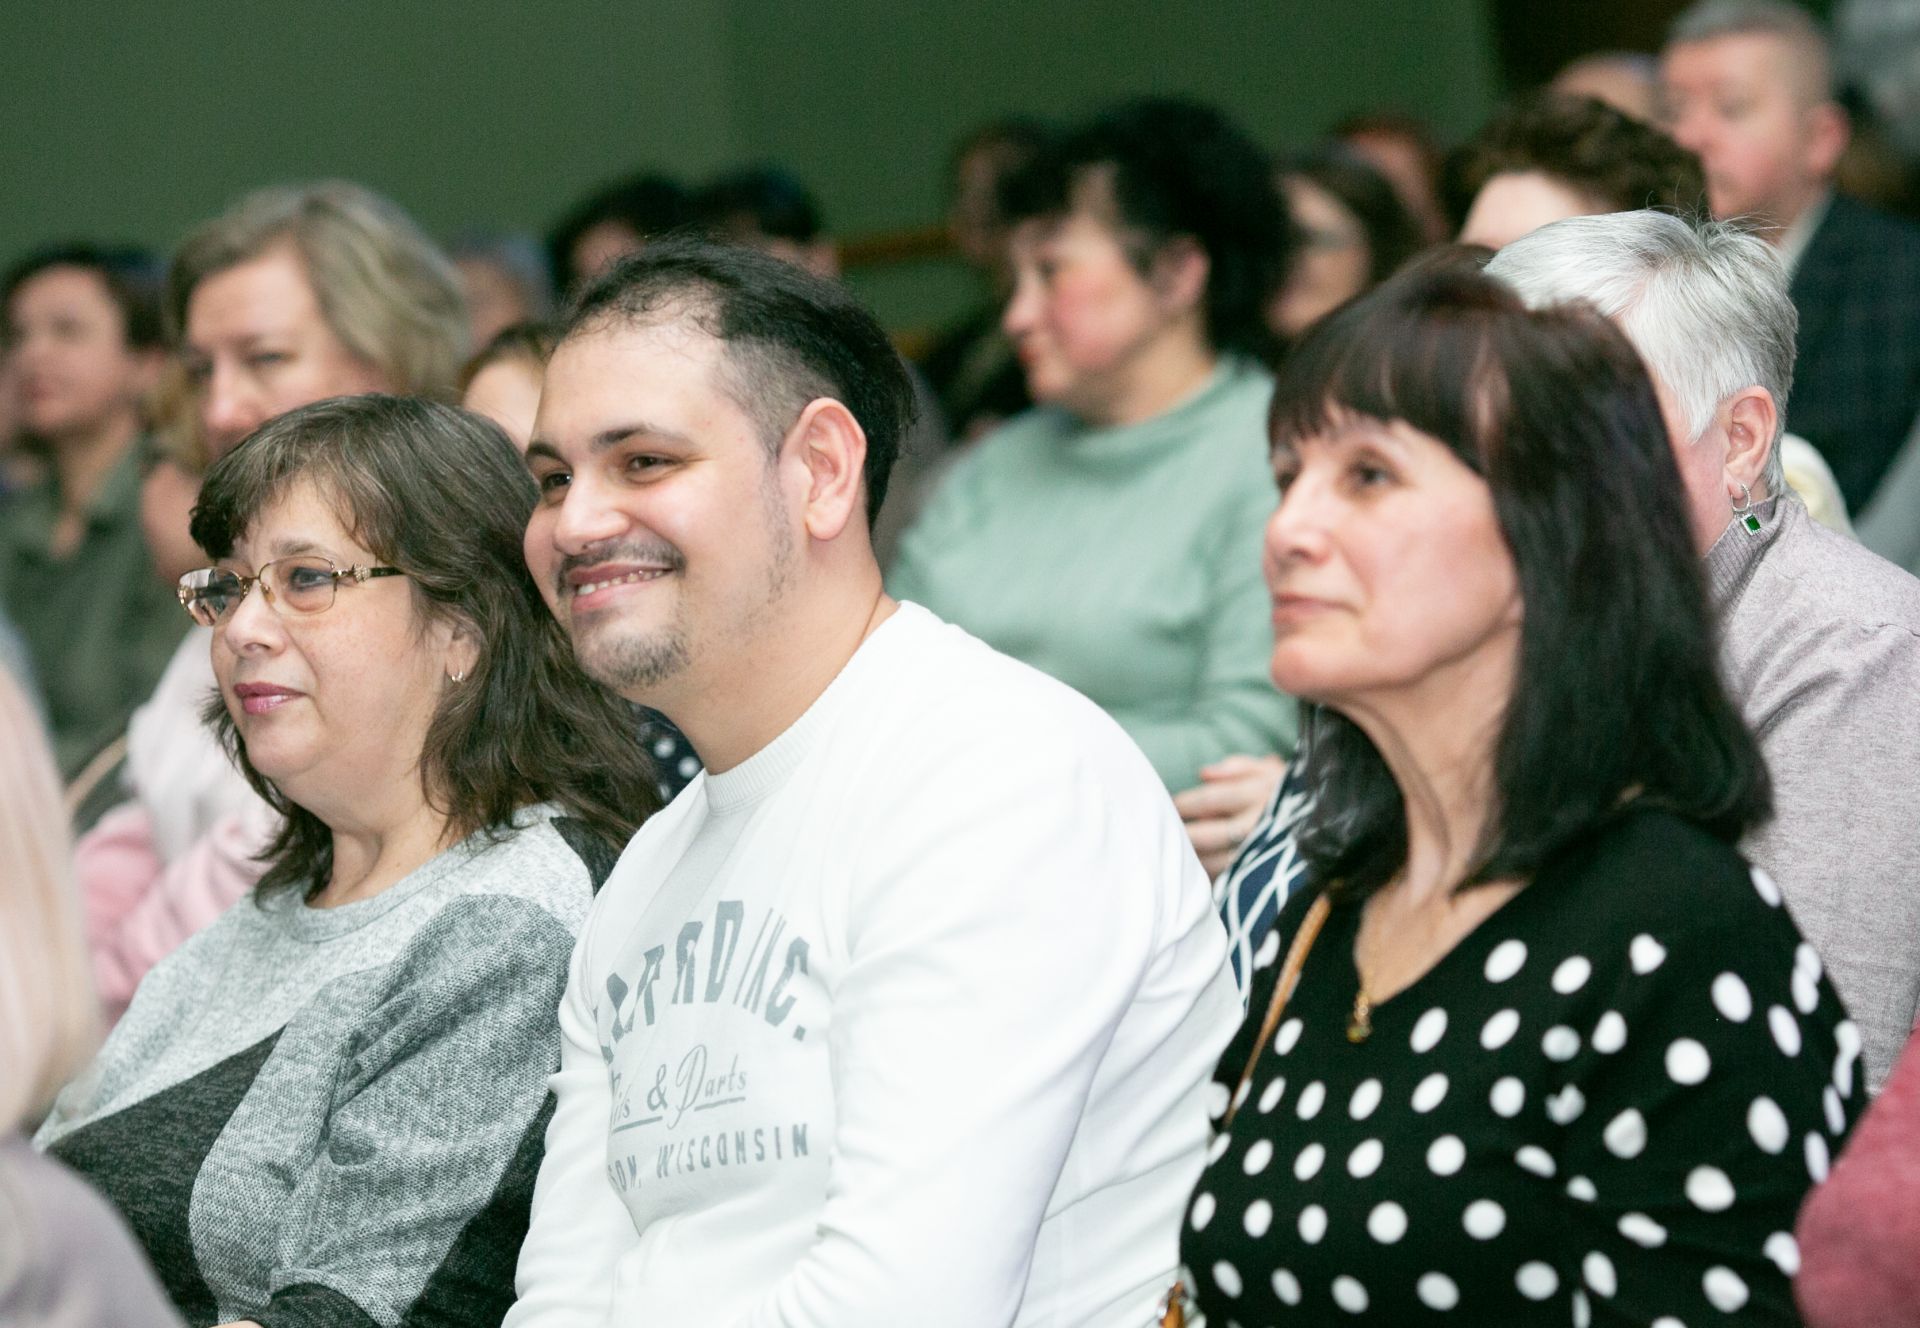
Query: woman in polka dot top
(1555, 1055)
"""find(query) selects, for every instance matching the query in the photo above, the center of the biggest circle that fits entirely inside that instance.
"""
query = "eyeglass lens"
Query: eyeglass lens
(294, 585)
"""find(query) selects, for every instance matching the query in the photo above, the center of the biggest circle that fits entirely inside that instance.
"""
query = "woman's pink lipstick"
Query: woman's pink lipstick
(257, 698)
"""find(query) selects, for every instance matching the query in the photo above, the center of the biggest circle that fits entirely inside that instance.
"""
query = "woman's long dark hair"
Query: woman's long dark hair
(1617, 698)
(441, 494)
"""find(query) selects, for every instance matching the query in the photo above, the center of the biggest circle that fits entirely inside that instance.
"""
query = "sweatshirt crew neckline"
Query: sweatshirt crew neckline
(308, 923)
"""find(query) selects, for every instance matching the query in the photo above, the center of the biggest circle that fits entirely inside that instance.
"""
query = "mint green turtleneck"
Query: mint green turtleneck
(1124, 561)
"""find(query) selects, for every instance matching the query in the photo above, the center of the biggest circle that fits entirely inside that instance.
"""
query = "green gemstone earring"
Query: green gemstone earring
(1743, 510)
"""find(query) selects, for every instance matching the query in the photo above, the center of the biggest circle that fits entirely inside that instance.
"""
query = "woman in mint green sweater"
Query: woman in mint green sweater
(1111, 535)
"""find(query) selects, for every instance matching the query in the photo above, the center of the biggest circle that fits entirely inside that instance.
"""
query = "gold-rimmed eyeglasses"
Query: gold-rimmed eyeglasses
(297, 586)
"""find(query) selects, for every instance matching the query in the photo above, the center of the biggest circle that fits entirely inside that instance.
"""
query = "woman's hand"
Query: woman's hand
(1223, 808)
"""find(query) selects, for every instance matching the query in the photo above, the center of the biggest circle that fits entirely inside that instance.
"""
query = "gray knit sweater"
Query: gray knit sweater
(334, 1116)
(1821, 650)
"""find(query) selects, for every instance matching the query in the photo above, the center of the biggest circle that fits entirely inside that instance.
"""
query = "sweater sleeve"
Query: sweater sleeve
(1860, 1232)
(1858, 907)
(580, 1227)
(1235, 706)
(992, 951)
(416, 1203)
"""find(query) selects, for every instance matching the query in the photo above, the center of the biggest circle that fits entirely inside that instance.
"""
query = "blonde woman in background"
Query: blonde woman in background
(294, 294)
(65, 1260)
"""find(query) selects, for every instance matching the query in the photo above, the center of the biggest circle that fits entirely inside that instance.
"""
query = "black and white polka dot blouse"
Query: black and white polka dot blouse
(1603, 1106)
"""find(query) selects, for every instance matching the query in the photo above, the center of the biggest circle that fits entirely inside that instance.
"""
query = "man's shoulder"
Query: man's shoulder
(1855, 237)
(949, 696)
(1833, 581)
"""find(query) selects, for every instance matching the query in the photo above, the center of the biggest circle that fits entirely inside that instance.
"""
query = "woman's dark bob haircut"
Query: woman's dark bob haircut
(441, 494)
(1174, 170)
(1616, 696)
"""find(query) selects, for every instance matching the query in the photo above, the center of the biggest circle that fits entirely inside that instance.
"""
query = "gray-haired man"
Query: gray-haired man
(1820, 639)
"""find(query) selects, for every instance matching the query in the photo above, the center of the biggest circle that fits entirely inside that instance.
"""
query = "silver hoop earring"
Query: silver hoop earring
(1743, 511)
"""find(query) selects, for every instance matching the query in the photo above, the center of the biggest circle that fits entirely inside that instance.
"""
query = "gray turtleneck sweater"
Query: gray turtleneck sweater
(1820, 647)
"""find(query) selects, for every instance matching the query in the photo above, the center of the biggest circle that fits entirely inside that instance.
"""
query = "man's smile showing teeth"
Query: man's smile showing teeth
(590, 587)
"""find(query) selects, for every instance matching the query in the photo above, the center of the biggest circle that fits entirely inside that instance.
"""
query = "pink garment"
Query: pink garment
(1859, 1232)
(140, 909)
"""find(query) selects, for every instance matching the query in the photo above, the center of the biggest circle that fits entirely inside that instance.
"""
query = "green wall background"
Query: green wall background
(132, 121)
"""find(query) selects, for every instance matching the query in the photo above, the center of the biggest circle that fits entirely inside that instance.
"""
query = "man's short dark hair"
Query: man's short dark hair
(1606, 156)
(788, 337)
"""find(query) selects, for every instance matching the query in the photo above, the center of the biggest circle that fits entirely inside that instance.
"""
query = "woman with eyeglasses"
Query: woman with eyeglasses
(328, 1106)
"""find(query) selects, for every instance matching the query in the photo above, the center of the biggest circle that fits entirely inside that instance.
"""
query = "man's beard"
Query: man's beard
(632, 665)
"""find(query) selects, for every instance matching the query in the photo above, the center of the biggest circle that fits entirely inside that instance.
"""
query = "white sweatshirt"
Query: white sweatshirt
(905, 1020)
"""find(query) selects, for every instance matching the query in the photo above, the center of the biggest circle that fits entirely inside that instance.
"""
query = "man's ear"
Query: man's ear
(834, 448)
(1828, 133)
(1179, 272)
(1752, 421)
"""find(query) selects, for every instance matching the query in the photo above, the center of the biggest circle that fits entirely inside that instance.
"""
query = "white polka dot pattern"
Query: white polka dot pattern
(1575, 1118)
(1430, 1092)
(1387, 1222)
(1437, 1291)
(1597, 1271)
(1709, 1190)
(1646, 954)
(1259, 1218)
(1349, 1295)
(1536, 1280)
(1786, 1030)
(1287, 1035)
(1572, 974)
(1560, 1043)
(1724, 1289)
(1626, 1134)
(1505, 961)
(1227, 1278)
(1731, 998)
(1687, 1062)
(1767, 1124)
(1484, 1219)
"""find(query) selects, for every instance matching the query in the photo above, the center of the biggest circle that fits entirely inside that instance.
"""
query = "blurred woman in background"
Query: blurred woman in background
(502, 380)
(82, 343)
(1351, 229)
(293, 294)
(66, 1259)
(1106, 536)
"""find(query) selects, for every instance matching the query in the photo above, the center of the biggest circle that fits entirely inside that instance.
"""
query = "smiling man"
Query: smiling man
(903, 1012)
